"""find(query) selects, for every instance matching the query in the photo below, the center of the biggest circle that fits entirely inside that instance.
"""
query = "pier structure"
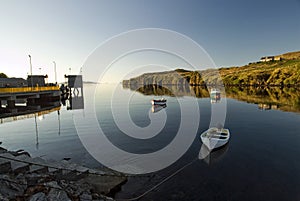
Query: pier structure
(75, 88)
(24, 100)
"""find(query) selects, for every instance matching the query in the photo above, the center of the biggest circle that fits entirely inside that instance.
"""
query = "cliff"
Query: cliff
(285, 72)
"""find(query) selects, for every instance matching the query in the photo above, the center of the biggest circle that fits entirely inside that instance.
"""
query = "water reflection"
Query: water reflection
(267, 98)
(212, 157)
(8, 117)
(215, 96)
(157, 108)
(75, 103)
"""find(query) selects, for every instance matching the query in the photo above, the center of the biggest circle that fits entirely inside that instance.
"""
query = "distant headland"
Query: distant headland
(279, 70)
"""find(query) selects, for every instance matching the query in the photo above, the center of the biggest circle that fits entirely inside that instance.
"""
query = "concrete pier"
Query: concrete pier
(22, 100)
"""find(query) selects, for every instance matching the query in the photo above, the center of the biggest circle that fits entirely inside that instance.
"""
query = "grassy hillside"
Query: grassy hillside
(273, 73)
(285, 72)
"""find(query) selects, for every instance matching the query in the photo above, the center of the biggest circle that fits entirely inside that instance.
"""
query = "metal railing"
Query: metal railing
(28, 89)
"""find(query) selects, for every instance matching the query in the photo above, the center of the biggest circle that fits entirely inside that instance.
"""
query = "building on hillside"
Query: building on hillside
(270, 58)
(12, 82)
(36, 80)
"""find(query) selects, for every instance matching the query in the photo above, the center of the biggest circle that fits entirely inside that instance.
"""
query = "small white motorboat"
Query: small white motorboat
(215, 137)
(161, 101)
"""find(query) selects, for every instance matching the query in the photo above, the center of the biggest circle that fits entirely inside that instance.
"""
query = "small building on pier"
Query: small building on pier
(36, 80)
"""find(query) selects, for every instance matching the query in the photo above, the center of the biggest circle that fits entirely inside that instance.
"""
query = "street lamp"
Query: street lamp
(55, 72)
(31, 71)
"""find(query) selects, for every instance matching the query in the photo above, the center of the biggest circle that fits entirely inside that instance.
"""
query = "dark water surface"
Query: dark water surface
(261, 161)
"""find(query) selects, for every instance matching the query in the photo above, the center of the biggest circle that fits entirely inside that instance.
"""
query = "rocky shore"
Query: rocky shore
(23, 178)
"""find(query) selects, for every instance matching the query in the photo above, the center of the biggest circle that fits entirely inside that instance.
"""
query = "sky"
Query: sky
(232, 32)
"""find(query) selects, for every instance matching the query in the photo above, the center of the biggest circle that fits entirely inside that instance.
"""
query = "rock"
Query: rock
(104, 184)
(2, 198)
(10, 190)
(35, 178)
(75, 189)
(2, 150)
(53, 184)
(57, 195)
(85, 196)
(35, 189)
(38, 169)
(26, 178)
(17, 167)
(38, 197)
(5, 166)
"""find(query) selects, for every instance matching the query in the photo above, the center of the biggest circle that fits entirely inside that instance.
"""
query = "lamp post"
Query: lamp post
(31, 71)
(55, 72)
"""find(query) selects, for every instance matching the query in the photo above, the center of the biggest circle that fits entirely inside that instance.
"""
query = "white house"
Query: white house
(270, 58)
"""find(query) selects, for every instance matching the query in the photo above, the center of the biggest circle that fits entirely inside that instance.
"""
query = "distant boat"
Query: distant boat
(161, 101)
(157, 108)
(215, 137)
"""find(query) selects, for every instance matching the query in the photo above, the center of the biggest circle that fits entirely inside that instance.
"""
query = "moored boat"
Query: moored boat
(161, 101)
(215, 137)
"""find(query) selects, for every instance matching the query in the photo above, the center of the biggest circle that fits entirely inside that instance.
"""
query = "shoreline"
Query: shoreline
(25, 178)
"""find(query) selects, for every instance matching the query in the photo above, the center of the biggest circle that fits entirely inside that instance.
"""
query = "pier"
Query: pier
(22, 100)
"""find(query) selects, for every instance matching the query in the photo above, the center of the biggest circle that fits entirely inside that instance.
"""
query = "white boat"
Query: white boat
(215, 137)
(161, 101)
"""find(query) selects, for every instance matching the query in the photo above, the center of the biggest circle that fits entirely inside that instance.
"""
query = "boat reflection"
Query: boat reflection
(215, 95)
(212, 157)
(215, 99)
(75, 103)
(157, 108)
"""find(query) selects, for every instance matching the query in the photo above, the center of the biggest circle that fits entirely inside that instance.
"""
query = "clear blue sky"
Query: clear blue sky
(233, 32)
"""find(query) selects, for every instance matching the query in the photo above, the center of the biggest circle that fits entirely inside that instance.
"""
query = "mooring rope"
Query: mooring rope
(160, 183)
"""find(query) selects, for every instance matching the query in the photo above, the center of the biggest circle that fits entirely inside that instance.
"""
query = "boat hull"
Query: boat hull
(158, 102)
(214, 139)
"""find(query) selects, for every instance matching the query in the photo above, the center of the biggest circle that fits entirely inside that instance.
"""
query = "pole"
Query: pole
(31, 72)
(55, 72)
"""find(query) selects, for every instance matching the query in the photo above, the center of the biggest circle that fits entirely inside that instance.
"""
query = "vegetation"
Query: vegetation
(273, 73)
(2, 75)
(279, 73)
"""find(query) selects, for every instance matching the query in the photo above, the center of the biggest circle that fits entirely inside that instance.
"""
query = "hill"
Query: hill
(285, 72)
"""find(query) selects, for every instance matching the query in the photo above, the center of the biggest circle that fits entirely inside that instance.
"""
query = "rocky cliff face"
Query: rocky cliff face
(176, 77)
(273, 73)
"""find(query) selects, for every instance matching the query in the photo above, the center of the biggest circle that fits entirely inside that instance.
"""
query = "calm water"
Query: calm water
(261, 161)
